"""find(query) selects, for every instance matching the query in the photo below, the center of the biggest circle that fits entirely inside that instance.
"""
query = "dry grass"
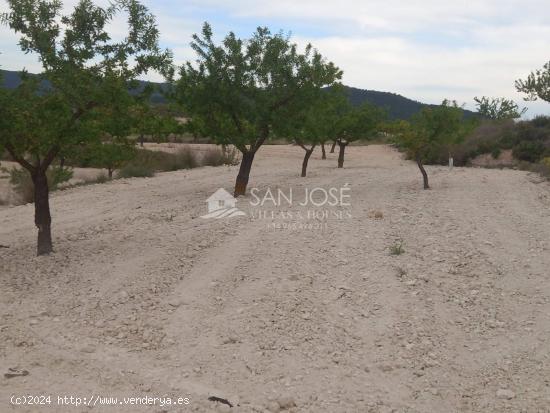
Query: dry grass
(220, 157)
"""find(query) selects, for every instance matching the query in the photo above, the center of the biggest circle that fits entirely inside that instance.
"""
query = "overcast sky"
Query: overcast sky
(427, 50)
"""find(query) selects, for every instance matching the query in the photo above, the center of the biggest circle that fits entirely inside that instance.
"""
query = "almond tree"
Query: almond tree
(537, 84)
(360, 123)
(241, 92)
(498, 108)
(88, 77)
(318, 122)
(430, 130)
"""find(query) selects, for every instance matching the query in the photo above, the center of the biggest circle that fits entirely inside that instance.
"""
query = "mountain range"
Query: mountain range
(397, 106)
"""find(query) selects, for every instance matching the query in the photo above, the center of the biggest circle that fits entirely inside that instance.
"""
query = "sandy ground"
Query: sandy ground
(144, 298)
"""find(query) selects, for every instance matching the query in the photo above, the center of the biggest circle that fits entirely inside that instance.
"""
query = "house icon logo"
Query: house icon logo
(222, 205)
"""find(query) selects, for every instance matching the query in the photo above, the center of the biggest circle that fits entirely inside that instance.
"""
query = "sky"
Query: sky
(426, 50)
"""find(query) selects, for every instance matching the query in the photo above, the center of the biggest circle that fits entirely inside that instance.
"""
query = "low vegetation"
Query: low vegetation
(217, 157)
(22, 183)
(397, 248)
(143, 164)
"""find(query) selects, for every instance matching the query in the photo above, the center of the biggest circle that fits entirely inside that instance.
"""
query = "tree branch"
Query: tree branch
(20, 160)
(282, 102)
(50, 156)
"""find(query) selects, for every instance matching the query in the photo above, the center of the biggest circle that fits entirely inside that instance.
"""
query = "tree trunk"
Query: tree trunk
(42, 217)
(110, 172)
(323, 151)
(342, 146)
(62, 162)
(306, 160)
(244, 173)
(424, 173)
(141, 138)
(333, 146)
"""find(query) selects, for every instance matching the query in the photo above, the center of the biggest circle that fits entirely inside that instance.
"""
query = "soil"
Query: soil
(142, 297)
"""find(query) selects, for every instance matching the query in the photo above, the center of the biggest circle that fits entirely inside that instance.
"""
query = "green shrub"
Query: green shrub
(397, 248)
(495, 153)
(530, 151)
(528, 132)
(541, 121)
(136, 171)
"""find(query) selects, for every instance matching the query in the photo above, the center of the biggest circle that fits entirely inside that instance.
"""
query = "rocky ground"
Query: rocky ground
(144, 298)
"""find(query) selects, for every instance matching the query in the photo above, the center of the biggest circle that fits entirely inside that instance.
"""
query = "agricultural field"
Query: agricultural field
(412, 301)
(270, 207)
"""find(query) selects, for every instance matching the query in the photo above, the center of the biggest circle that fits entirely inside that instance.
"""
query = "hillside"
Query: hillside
(398, 107)
(12, 79)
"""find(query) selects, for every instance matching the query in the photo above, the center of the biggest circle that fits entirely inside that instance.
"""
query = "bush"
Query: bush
(136, 171)
(184, 158)
(530, 151)
(22, 183)
(541, 121)
(528, 131)
(100, 179)
(219, 157)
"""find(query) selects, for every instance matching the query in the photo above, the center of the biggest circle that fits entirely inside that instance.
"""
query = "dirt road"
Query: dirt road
(145, 298)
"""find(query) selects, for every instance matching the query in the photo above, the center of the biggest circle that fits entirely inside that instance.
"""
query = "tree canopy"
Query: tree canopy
(537, 84)
(356, 123)
(316, 123)
(430, 130)
(89, 77)
(498, 108)
(241, 91)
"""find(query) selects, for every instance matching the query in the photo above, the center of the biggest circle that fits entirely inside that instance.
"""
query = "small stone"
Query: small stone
(90, 348)
(505, 394)
(434, 391)
(231, 340)
(385, 367)
(286, 403)
(273, 407)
